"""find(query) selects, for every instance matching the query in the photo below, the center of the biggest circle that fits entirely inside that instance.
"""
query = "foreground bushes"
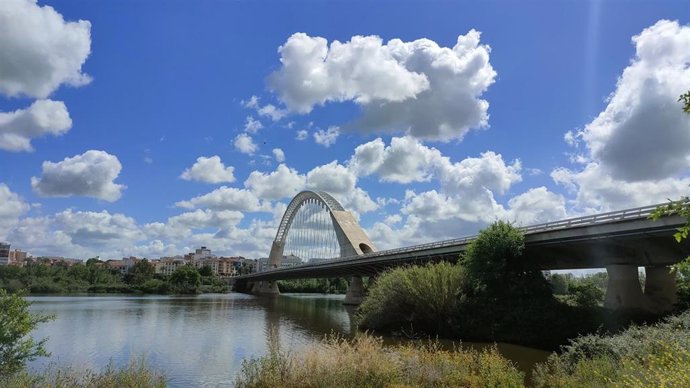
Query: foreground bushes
(419, 299)
(640, 356)
(365, 362)
(136, 375)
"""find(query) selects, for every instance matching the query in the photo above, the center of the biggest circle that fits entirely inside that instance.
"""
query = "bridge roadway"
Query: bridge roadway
(619, 241)
(626, 237)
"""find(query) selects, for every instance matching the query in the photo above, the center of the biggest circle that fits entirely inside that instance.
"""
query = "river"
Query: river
(196, 341)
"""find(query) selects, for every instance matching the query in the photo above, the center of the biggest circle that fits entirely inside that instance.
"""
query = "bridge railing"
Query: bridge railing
(595, 219)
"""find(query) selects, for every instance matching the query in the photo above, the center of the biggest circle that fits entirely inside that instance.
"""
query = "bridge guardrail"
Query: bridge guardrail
(596, 219)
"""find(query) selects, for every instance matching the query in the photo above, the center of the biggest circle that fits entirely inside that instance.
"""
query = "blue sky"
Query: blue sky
(544, 110)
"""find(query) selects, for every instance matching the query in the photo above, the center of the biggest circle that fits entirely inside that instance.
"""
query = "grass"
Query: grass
(137, 374)
(366, 362)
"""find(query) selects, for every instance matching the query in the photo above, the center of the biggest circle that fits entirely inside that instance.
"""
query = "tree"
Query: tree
(186, 279)
(16, 322)
(206, 271)
(140, 272)
(685, 99)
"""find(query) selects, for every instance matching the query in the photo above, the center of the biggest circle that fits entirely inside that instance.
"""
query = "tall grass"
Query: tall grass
(137, 374)
(365, 362)
(420, 299)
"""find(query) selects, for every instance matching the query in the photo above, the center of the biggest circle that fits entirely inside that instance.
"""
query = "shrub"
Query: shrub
(423, 298)
(16, 323)
(635, 357)
(365, 362)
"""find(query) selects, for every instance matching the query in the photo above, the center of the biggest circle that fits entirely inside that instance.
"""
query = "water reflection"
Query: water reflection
(196, 340)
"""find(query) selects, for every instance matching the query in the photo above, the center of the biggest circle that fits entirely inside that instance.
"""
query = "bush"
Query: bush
(365, 362)
(414, 298)
(16, 323)
(638, 356)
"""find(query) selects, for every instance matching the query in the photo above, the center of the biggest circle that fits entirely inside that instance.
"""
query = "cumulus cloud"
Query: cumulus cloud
(12, 206)
(284, 182)
(40, 50)
(252, 125)
(227, 198)
(42, 118)
(279, 155)
(301, 134)
(638, 147)
(642, 133)
(418, 87)
(245, 144)
(209, 170)
(90, 174)
(268, 110)
(327, 137)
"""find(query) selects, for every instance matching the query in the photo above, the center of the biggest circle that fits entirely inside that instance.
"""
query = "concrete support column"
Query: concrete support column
(660, 289)
(623, 291)
(355, 293)
(266, 288)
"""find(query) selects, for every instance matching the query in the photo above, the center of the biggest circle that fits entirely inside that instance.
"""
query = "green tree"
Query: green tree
(685, 99)
(141, 272)
(186, 280)
(16, 322)
(206, 271)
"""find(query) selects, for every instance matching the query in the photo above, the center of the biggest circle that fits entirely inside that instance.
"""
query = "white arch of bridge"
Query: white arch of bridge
(351, 238)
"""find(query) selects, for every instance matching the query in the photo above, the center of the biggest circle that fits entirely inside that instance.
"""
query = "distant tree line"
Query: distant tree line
(94, 277)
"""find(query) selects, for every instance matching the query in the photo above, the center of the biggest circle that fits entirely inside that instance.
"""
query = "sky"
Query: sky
(152, 128)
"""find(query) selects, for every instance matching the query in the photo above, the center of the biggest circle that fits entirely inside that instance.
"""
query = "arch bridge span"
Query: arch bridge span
(351, 238)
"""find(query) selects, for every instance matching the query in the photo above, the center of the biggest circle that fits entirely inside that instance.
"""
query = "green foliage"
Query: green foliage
(322, 286)
(141, 272)
(365, 362)
(16, 323)
(586, 291)
(685, 99)
(135, 375)
(206, 271)
(497, 269)
(185, 280)
(681, 208)
(418, 299)
(656, 355)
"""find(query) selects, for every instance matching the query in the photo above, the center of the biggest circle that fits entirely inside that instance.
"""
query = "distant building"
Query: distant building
(17, 257)
(4, 253)
(168, 265)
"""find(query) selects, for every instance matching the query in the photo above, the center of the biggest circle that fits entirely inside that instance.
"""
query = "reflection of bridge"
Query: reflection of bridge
(619, 241)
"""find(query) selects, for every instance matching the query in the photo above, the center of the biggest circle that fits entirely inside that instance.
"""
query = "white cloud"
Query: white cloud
(268, 110)
(643, 133)
(251, 125)
(227, 198)
(302, 134)
(638, 147)
(418, 87)
(362, 69)
(90, 174)
(279, 155)
(406, 160)
(245, 144)
(40, 50)
(209, 170)
(327, 137)
(340, 182)
(43, 117)
(12, 206)
(284, 182)
(535, 206)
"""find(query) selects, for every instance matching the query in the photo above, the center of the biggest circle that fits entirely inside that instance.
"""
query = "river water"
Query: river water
(196, 341)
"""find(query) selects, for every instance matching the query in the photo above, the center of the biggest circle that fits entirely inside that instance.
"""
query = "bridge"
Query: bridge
(619, 241)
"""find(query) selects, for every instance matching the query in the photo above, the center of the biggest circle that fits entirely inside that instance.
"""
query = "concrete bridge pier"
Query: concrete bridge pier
(660, 288)
(623, 291)
(355, 293)
(266, 288)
